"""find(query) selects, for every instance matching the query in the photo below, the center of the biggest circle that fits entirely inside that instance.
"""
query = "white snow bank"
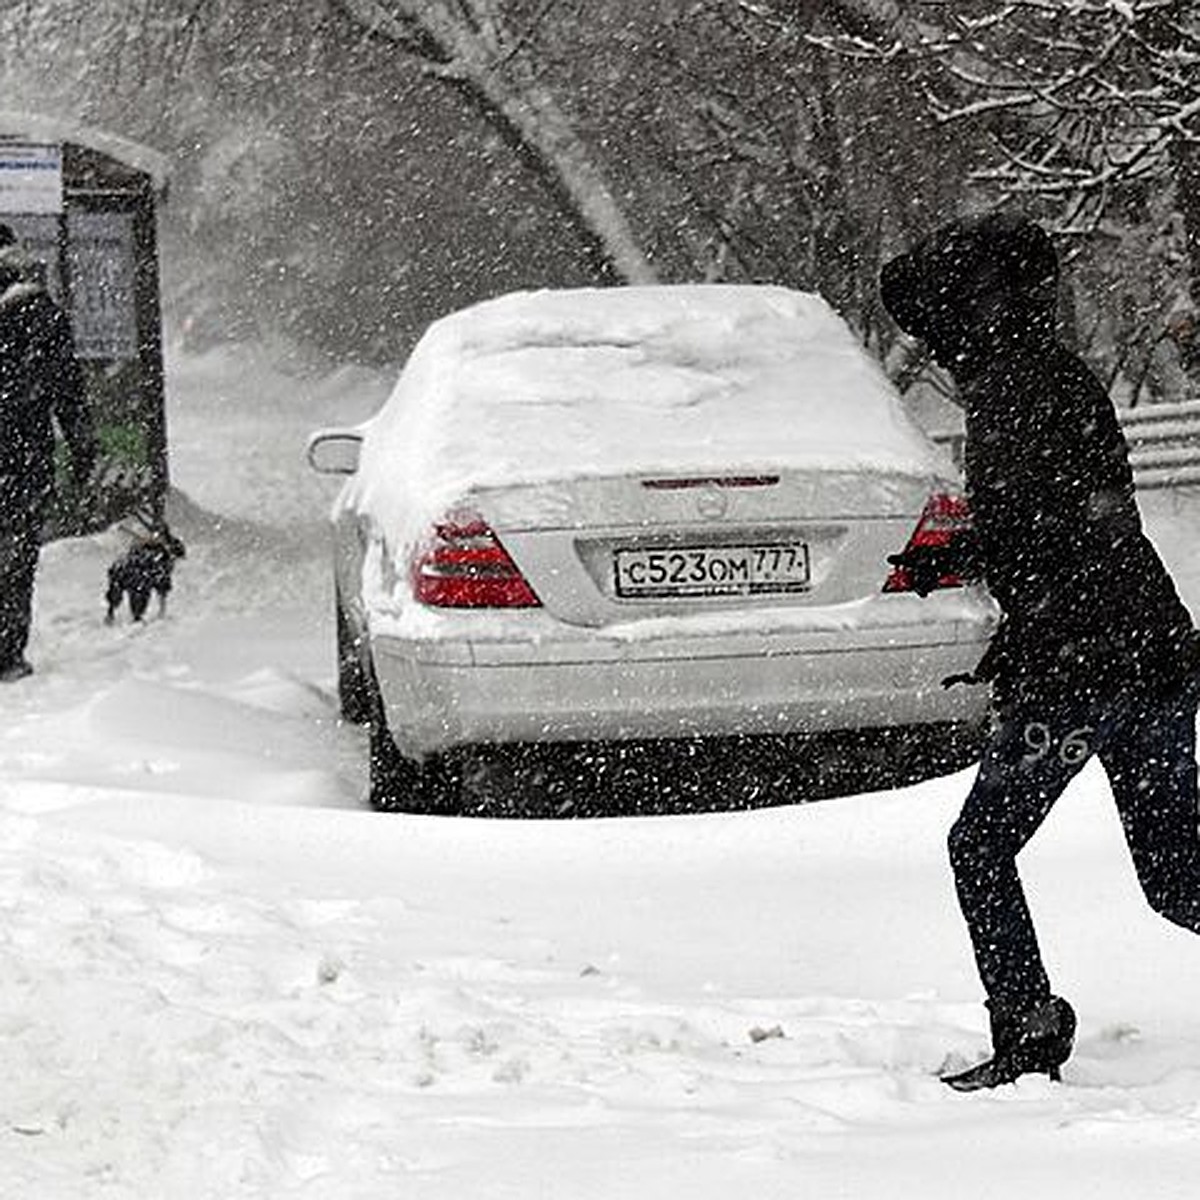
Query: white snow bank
(238, 424)
(217, 998)
(555, 385)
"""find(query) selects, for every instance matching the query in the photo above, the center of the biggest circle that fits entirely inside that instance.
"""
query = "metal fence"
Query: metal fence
(1164, 443)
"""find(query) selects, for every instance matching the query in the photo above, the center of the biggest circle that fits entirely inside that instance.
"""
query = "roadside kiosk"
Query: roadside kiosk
(84, 204)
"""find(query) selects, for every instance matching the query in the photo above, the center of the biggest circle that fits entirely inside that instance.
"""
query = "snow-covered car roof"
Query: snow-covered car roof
(547, 385)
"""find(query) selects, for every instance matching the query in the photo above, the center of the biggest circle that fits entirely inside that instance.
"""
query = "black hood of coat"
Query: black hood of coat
(974, 288)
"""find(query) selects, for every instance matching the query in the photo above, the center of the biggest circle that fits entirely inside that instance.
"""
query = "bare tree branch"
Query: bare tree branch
(467, 43)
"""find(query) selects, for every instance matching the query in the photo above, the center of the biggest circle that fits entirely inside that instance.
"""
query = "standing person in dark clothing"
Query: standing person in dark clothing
(1095, 652)
(40, 385)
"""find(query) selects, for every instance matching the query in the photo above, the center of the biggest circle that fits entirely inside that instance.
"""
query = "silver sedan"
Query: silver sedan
(633, 515)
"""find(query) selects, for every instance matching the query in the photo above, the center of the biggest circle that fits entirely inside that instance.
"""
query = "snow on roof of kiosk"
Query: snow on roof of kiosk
(33, 127)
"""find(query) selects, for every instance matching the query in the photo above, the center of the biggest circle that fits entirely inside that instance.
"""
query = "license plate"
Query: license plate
(713, 570)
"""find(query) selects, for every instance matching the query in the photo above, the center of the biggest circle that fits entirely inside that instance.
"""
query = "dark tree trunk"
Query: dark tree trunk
(1186, 158)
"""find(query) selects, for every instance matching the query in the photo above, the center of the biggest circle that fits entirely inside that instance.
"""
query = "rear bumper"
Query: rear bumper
(452, 691)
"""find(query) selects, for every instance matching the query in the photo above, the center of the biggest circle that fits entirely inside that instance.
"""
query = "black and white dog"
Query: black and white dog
(145, 567)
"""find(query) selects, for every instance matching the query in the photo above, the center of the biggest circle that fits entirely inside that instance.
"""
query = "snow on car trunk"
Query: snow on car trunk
(559, 386)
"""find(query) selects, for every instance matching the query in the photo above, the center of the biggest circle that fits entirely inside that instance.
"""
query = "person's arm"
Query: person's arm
(63, 379)
(1094, 457)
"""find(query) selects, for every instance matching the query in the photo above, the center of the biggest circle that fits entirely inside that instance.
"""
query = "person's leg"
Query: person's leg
(139, 599)
(19, 548)
(1025, 768)
(114, 594)
(1150, 758)
(1029, 761)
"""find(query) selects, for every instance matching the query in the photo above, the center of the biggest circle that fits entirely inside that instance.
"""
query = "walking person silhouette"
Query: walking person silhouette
(1095, 653)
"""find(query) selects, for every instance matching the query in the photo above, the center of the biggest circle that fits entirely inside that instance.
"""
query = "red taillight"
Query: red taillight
(464, 566)
(943, 525)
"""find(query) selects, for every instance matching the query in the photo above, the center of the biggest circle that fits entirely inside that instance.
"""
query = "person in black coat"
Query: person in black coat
(1095, 652)
(40, 385)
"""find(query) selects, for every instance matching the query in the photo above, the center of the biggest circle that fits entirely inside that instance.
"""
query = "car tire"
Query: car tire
(353, 687)
(397, 783)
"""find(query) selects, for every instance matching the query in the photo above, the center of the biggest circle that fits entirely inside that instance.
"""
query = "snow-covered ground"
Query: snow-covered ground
(220, 976)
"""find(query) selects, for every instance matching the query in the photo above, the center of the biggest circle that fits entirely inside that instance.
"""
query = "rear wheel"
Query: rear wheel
(354, 690)
(397, 783)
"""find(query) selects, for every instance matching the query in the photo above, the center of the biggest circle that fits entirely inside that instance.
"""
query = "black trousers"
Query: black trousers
(20, 544)
(1148, 750)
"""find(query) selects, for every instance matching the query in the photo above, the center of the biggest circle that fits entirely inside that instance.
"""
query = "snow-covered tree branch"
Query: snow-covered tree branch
(471, 44)
(1085, 105)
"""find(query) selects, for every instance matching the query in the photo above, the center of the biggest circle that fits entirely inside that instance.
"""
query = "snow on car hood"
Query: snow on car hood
(559, 385)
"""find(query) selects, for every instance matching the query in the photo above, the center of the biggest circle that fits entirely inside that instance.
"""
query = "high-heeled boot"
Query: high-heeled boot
(1031, 1041)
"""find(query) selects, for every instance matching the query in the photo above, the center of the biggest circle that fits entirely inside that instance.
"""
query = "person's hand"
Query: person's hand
(85, 466)
(85, 483)
(925, 566)
(966, 677)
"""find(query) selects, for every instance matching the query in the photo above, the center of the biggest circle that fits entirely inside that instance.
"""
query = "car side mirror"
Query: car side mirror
(334, 451)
